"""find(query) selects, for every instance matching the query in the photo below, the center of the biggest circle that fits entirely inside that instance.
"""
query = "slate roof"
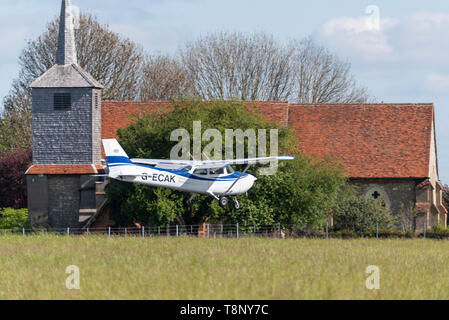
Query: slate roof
(67, 76)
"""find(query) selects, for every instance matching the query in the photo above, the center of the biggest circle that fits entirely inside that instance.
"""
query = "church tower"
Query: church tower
(66, 137)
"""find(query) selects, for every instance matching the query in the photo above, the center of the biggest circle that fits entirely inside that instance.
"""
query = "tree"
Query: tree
(164, 79)
(302, 193)
(361, 214)
(321, 76)
(257, 67)
(13, 188)
(239, 66)
(114, 61)
(446, 197)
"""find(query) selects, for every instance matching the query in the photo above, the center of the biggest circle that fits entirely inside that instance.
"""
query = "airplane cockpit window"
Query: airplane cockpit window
(216, 171)
(188, 168)
(229, 169)
(201, 172)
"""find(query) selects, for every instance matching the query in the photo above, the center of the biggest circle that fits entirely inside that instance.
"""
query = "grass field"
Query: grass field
(190, 268)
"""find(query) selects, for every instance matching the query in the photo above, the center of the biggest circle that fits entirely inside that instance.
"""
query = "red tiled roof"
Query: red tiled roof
(424, 185)
(372, 140)
(65, 169)
(119, 114)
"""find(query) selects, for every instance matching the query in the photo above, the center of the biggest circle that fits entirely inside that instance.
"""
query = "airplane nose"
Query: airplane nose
(252, 177)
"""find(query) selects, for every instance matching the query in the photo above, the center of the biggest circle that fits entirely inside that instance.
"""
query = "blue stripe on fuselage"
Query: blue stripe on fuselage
(115, 159)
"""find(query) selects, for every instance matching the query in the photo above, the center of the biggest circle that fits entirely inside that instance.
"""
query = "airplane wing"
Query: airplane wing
(156, 162)
(207, 163)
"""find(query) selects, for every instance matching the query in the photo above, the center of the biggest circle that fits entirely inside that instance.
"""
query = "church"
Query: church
(389, 150)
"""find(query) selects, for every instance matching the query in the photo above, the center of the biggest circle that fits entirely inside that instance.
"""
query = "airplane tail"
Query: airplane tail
(114, 152)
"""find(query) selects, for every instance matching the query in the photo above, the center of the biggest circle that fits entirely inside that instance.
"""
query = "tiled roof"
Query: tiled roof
(68, 76)
(119, 114)
(372, 140)
(65, 169)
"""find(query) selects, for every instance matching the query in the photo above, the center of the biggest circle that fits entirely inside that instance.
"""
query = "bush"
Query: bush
(13, 189)
(361, 214)
(344, 234)
(389, 234)
(437, 233)
(14, 220)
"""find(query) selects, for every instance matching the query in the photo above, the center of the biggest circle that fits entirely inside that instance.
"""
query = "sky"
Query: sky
(398, 49)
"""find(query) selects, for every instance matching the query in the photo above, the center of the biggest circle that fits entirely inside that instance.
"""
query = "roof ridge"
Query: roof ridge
(87, 76)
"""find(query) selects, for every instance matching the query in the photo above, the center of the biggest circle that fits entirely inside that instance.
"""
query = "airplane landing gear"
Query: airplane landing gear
(223, 202)
(236, 204)
(189, 201)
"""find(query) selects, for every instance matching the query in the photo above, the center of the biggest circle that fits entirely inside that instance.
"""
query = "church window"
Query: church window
(379, 194)
(62, 101)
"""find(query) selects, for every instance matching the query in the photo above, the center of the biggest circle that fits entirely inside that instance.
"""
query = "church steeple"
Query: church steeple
(66, 53)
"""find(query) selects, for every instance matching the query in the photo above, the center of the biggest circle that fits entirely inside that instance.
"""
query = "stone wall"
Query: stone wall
(399, 193)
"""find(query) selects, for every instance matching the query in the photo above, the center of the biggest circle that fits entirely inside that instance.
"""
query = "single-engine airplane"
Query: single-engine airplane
(211, 177)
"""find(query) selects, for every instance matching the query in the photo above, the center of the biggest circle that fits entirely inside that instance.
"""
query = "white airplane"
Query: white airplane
(211, 177)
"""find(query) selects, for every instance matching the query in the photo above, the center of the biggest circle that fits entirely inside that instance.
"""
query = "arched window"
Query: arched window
(378, 193)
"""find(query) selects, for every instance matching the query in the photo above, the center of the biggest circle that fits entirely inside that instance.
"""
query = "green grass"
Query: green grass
(189, 268)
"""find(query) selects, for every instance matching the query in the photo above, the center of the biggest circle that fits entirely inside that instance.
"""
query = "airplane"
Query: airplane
(215, 178)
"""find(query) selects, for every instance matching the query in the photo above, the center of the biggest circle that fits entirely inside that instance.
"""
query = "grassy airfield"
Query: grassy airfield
(188, 268)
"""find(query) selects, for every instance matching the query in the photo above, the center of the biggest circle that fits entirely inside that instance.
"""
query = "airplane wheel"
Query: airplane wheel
(237, 205)
(223, 202)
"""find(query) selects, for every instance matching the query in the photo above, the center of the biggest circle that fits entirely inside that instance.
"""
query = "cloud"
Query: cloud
(429, 22)
(437, 82)
(362, 36)
(419, 37)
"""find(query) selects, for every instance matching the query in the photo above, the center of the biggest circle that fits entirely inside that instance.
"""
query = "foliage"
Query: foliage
(13, 220)
(446, 197)
(389, 233)
(344, 234)
(302, 193)
(438, 232)
(361, 214)
(407, 217)
(13, 188)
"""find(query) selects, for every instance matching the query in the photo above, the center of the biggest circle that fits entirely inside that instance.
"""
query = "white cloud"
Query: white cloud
(362, 36)
(429, 22)
(437, 82)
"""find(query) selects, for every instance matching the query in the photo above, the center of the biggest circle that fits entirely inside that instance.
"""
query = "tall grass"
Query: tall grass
(190, 268)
